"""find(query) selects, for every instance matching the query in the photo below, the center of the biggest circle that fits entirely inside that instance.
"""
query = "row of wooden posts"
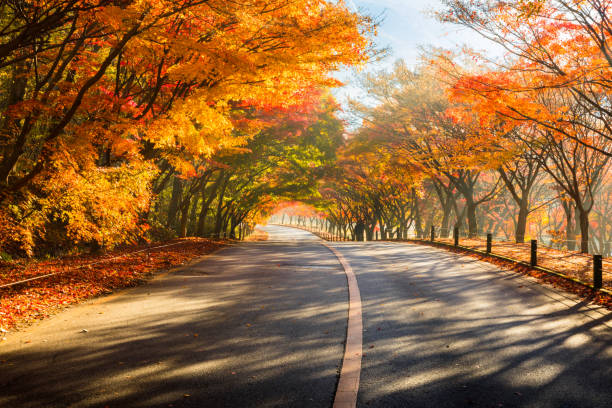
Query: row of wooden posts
(597, 259)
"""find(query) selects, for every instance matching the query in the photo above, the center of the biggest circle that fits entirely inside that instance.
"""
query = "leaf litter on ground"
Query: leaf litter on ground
(86, 276)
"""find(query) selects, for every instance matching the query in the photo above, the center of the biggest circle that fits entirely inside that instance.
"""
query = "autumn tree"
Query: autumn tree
(150, 91)
(415, 118)
(577, 165)
(556, 45)
(282, 162)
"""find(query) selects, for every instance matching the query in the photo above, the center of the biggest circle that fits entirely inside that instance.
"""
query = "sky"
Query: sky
(407, 25)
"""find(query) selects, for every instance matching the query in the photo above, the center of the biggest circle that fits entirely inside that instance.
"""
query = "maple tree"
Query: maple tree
(105, 104)
(370, 189)
(454, 140)
(561, 46)
(293, 212)
(553, 87)
(282, 162)
(416, 122)
(553, 82)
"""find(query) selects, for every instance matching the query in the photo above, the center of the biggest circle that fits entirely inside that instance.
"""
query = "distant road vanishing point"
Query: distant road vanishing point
(264, 324)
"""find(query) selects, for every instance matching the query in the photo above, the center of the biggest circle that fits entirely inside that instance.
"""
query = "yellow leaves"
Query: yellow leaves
(266, 53)
(14, 238)
(197, 126)
(99, 204)
(190, 81)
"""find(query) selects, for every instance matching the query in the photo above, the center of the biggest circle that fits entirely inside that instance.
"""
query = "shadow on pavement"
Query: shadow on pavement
(260, 325)
(446, 332)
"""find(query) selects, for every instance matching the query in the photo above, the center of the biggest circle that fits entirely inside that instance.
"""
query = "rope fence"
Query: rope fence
(88, 265)
(593, 271)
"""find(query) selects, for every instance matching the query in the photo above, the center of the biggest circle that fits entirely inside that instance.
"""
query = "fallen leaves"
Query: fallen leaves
(572, 259)
(571, 263)
(258, 235)
(85, 276)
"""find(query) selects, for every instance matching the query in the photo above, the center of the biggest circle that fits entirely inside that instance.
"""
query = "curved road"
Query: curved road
(264, 325)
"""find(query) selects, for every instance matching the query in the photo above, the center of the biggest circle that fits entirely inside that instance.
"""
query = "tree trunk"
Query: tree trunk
(233, 225)
(370, 232)
(444, 228)
(219, 214)
(472, 223)
(358, 232)
(202, 219)
(182, 232)
(177, 189)
(521, 222)
(584, 231)
(570, 232)
(417, 221)
(192, 217)
(206, 201)
(224, 222)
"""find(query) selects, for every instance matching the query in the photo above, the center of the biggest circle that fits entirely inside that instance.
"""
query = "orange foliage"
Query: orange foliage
(101, 93)
(78, 280)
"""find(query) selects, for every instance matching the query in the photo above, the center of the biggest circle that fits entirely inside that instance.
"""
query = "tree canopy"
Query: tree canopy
(105, 106)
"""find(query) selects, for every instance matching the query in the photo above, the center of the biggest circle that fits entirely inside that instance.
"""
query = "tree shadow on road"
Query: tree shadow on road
(254, 327)
(446, 331)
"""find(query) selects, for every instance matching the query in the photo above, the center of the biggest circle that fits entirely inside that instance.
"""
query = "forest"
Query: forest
(133, 122)
(518, 146)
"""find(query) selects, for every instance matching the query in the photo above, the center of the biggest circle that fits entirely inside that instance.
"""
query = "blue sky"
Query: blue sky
(408, 25)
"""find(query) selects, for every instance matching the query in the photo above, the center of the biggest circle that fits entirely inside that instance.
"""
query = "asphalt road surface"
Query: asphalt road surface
(264, 324)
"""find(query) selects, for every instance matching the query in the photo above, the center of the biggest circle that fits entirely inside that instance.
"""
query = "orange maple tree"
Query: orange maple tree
(101, 98)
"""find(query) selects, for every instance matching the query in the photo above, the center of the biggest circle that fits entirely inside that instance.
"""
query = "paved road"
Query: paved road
(442, 330)
(255, 325)
(263, 324)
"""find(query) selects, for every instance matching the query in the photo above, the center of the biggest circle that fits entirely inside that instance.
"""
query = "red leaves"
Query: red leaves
(83, 277)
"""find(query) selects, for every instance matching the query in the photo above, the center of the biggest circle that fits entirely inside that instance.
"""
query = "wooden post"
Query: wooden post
(456, 235)
(433, 233)
(534, 252)
(597, 272)
(489, 242)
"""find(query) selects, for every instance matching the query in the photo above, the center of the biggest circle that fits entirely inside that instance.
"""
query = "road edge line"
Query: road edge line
(348, 384)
